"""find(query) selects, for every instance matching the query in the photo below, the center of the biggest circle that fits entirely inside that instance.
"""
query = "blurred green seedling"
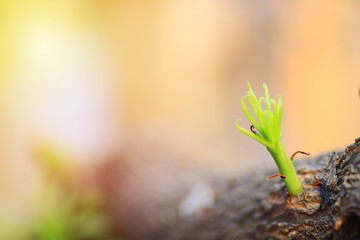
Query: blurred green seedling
(56, 210)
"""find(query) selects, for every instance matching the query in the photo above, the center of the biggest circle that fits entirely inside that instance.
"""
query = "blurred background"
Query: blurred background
(108, 108)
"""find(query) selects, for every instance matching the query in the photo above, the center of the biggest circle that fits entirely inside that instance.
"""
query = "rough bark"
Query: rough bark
(249, 207)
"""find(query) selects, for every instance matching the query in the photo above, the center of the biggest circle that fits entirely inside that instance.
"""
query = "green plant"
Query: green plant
(56, 209)
(267, 132)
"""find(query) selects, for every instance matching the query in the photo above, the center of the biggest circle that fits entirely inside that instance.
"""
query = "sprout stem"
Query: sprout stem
(267, 124)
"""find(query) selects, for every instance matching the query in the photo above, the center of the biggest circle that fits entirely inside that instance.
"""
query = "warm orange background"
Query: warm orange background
(91, 76)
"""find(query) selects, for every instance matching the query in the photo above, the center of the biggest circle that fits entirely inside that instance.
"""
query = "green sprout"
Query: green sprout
(267, 132)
